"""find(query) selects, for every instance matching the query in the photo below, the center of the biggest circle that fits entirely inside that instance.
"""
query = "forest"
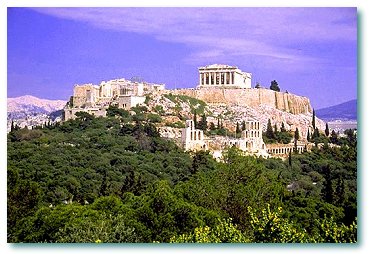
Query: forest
(115, 180)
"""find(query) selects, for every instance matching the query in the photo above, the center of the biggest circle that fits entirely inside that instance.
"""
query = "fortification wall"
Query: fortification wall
(250, 97)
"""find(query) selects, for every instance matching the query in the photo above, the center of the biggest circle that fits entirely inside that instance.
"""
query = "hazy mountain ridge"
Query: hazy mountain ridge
(346, 111)
(31, 104)
(32, 111)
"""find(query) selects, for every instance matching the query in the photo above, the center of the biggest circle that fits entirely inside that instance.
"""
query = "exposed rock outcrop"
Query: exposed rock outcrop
(292, 110)
(250, 97)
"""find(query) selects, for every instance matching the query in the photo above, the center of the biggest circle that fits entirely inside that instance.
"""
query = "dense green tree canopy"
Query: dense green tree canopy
(115, 179)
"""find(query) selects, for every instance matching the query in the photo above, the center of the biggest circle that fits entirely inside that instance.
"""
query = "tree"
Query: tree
(275, 130)
(296, 134)
(218, 123)
(12, 127)
(202, 161)
(269, 130)
(308, 135)
(195, 119)
(316, 133)
(275, 86)
(237, 130)
(84, 116)
(296, 137)
(202, 124)
(328, 185)
(224, 232)
(103, 229)
(334, 137)
(269, 226)
(313, 120)
(340, 192)
(327, 130)
(23, 198)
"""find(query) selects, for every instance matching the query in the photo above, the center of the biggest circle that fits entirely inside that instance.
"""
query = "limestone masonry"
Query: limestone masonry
(226, 76)
(95, 99)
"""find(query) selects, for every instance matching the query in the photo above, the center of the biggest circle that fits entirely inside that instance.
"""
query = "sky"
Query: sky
(308, 51)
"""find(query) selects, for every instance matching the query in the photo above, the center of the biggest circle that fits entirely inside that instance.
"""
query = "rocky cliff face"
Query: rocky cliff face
(250, 97)
(292, 110)
(236, 113)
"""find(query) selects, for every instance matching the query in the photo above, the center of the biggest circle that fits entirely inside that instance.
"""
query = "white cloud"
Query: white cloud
(222, 32)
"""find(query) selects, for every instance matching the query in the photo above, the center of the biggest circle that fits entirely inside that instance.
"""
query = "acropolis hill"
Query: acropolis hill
(224, 92)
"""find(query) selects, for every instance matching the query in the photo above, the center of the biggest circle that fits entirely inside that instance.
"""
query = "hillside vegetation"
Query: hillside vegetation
(115, 179)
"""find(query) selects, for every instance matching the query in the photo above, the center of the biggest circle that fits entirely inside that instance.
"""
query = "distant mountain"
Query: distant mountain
(28, 105)
(346, 111)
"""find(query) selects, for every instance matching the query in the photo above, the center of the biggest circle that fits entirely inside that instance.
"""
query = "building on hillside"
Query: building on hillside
(70, 113)
(95, 99)
(191, 138)
(223, 76)
(250, 142)
(283, 150)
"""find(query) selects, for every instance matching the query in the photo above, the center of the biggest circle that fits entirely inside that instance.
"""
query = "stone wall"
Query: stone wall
(250, 97)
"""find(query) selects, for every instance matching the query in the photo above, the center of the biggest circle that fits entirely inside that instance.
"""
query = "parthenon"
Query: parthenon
(219, 75)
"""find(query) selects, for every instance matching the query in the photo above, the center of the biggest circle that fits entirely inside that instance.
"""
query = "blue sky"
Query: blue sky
(309, 51)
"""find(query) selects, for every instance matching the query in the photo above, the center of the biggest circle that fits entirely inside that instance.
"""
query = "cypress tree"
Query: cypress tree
(313, 120)
(218, 123)
(296, 137)
(316, 133)
(296, 134)
(308, 135)
(269, 131)
(333, 137)
(340, 197)
(195, 119)
(12, 126)
(328, 185)
(237, 128)
(203, 123)
(327, 130)
(275, 130)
